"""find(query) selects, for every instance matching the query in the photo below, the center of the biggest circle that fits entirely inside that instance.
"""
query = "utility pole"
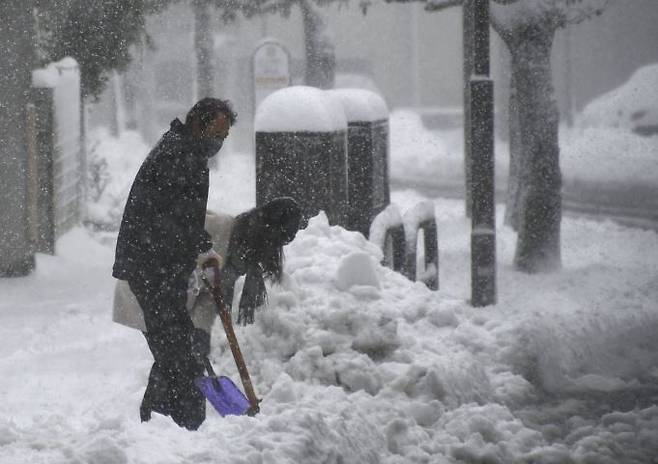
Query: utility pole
(480, 135)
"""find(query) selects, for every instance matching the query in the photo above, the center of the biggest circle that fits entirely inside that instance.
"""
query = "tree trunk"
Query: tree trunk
(117, 122)
(16, 247)
(513, 202)
(320, 55)
(467, 36)
(538, 245)
(203, 49)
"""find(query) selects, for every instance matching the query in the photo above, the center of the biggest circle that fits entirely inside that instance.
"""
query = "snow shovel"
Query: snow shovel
(221, 392)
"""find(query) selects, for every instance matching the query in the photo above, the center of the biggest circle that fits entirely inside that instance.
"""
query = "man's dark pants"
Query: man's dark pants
(169, 333)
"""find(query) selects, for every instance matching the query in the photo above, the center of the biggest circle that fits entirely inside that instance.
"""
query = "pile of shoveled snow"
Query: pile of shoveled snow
(354, 362)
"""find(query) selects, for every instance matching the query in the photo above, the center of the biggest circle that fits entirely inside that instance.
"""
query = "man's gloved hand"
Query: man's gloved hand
(209, 258)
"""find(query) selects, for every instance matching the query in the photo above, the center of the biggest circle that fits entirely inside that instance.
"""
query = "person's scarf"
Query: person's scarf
(254, 294)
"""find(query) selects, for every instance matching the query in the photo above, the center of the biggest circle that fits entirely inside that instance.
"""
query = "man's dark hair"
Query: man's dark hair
(207, 109)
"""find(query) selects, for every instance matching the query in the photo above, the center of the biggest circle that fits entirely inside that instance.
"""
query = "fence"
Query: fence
(58, 140)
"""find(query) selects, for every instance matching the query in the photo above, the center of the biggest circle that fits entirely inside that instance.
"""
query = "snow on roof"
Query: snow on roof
(300, 109)
(361, 105)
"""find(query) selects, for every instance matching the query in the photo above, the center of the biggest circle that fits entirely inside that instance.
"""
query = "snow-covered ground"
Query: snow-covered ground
(594, 154)
(563, 369)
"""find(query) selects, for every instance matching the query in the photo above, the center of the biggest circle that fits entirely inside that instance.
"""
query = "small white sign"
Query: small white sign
(271, 69)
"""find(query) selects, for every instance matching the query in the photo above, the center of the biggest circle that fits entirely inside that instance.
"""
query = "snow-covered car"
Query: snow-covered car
(633, 105)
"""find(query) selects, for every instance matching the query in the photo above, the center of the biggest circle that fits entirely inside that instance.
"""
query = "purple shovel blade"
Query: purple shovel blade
(227, 399)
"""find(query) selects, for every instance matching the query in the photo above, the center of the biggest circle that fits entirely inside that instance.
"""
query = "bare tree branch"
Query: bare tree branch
(585, 12)
(438, 5)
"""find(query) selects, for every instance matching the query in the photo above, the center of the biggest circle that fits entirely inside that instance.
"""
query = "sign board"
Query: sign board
(271, 63)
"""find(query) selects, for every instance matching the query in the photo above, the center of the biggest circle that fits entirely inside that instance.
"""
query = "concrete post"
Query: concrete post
(481, 135)
(16, 249)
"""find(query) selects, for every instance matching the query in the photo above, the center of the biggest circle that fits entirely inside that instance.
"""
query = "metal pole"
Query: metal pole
(481, 135)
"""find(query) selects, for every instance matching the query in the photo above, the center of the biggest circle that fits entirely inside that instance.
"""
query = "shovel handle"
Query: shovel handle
(225, 317)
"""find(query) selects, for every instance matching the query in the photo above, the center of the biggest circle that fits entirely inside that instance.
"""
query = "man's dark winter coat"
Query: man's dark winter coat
(162, 231)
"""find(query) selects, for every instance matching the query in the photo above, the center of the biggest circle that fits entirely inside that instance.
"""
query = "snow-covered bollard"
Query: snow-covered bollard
(387, 232)
(421, 218)
(367, 155)
(301, 152)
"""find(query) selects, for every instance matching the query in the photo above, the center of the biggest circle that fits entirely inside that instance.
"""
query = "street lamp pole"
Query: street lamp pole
(481, 146)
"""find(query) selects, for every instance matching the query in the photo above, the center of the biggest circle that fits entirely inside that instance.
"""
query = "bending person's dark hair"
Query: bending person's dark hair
(207, 109)
(255, 250)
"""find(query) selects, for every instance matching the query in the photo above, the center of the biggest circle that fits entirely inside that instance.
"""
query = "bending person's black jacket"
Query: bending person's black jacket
(162, 230)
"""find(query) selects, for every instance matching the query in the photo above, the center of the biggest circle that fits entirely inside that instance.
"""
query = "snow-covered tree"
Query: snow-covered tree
(97, 33)
(534, 203)
(320, 54)
(534, 195)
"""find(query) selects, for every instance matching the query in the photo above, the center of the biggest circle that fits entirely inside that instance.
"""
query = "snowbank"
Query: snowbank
(608, 159)
(354, 362)
(607, 155)
(632, 106)
(563, 369)
(423, 157)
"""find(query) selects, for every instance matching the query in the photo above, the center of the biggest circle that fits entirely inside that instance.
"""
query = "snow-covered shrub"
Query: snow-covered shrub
(113, 163)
